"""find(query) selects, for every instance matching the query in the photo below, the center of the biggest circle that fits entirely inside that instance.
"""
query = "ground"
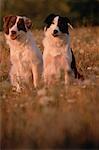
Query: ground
(56, 117)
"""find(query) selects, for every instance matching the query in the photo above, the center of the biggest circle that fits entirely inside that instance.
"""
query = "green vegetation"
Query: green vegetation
(83, 12)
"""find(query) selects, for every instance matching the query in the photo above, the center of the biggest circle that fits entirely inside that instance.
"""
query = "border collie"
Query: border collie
(58, 56)
(26, 59)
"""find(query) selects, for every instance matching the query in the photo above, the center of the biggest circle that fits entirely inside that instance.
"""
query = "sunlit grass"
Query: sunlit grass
(56, 117)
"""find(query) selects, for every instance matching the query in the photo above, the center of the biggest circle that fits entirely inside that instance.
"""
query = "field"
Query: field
(56, 117)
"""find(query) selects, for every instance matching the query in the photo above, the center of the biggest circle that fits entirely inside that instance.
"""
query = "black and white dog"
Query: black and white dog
(26, 58)
(58, 55)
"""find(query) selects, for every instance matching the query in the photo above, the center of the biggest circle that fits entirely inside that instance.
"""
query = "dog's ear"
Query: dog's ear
(6, 20)
(68, 22)
(49, 18)
(28, 23)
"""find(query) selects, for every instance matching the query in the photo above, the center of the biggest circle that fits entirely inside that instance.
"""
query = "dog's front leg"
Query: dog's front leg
(35, 73)
(14, 80)
(69, 77)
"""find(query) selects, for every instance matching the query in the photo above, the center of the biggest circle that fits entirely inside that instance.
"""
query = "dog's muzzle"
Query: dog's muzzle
(13, 35)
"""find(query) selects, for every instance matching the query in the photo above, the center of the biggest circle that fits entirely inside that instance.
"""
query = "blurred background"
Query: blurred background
(81, 12)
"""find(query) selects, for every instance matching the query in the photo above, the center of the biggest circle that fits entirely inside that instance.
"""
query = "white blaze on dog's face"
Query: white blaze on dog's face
(56, 25)
(16, 26)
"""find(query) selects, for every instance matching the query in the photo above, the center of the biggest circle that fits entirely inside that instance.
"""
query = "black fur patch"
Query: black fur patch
(73, 64)
(21, 25)
(63, 25)
(74, 68)
(49, 20)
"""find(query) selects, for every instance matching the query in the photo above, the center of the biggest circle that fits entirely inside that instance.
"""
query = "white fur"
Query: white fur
(57, 54)
(26, 58)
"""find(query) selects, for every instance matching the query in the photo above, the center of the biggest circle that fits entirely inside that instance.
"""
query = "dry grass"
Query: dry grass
(58, 117)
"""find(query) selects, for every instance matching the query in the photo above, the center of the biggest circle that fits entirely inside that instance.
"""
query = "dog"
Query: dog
(58, 56)
(26, 59)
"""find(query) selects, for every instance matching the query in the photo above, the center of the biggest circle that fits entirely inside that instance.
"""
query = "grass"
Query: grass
(58, 117)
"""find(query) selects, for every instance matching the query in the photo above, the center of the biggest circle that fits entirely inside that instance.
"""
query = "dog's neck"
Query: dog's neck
(56, 45)
(22, 42)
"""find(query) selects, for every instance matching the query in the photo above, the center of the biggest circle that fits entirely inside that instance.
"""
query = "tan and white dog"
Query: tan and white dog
(26, 58)
(58, 56)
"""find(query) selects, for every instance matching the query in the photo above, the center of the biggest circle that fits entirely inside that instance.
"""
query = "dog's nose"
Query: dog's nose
(13, 32)
(55, 31)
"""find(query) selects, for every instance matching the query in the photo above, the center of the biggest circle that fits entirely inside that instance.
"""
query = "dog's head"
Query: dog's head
(57, 25)
(16, 26)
